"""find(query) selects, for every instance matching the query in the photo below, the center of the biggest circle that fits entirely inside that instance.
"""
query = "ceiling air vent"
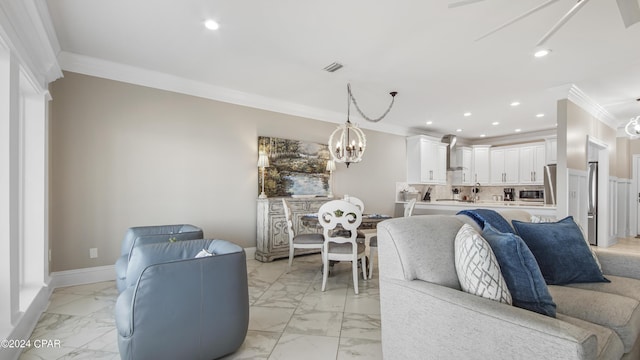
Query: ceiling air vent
(333, 67)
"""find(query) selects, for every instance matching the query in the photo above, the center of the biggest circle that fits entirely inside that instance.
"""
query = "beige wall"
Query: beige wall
(580, 124)
(624, 158)
(123, 155)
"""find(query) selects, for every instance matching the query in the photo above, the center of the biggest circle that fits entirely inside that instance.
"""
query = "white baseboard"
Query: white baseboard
(82, 276)
(250, 252)
(28, 321)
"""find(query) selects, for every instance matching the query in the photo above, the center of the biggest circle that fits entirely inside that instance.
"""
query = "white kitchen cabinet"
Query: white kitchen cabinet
(504, 165)
(577, 197)
(426, 160)
(463, 176)
(551, 150)
(532, 161)
(481, 164)
(440, 169)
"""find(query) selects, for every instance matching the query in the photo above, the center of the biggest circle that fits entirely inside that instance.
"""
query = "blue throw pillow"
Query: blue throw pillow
(520, 271)
(562, 253)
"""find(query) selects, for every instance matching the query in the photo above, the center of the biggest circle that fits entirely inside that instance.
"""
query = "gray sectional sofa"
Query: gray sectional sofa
(425, 315)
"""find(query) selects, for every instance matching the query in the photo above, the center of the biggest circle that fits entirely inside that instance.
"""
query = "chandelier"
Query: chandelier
(347, 143)
(633, 127)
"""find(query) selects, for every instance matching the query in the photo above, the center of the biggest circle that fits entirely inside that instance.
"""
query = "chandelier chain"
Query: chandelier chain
(355, 103)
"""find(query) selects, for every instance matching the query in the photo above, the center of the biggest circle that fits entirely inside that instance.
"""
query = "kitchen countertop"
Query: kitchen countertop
(450, 206)
(488, 203)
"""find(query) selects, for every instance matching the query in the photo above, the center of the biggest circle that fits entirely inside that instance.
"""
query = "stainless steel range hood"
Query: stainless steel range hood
(450, 140)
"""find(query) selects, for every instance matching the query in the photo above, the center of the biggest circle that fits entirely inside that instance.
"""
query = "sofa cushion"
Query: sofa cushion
(561, 251)
(618, 285)
(609, 344)
(520, 270)
(477, 267)
(511, 215)
(619, 313)
(488, 216)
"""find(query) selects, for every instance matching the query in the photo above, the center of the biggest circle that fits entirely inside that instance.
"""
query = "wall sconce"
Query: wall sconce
(331, 166)
(263, 162)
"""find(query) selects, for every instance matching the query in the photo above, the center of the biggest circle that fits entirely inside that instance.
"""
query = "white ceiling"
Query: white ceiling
(424, 50)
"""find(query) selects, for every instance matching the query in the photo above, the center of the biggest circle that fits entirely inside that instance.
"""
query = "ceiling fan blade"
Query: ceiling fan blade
(630, 11)
(519, 17)
(463, 3)
(562, 21)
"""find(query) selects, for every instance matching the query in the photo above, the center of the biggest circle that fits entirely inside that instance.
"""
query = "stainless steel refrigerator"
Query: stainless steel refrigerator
(550, 184)
(592, 215)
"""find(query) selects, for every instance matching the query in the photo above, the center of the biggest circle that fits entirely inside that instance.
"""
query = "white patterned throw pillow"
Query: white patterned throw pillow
(477, 267)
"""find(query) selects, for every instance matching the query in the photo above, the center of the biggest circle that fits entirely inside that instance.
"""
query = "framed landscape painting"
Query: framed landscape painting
(296, 168)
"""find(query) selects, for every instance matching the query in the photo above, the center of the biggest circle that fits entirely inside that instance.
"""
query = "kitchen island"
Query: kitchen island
(452, 207)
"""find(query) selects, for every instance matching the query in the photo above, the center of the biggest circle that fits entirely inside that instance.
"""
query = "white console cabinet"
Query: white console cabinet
(272, 234)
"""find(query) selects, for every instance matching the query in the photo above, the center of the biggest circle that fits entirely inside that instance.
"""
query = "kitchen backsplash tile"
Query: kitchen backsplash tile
(446, 191)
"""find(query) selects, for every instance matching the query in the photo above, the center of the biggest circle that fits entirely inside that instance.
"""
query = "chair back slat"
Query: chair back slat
(288, 219)
(355, 201)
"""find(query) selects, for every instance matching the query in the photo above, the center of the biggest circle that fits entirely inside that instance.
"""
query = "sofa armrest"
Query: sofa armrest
(625, 265)
(426, 320)
(124, 305)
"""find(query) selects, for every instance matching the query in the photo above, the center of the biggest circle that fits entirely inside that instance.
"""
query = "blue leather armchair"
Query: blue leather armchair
(141, 235)
(177, 306)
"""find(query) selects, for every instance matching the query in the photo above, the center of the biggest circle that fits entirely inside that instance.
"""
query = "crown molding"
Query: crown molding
(27, 30)
(533, 136)
(138, 76)
(580, 98)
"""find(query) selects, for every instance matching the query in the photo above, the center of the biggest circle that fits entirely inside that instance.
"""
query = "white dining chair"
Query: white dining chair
(373, 242)
(408, 209)
(340, 247)
(299, 241)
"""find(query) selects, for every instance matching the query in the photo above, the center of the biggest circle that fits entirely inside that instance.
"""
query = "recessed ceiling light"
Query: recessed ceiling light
(495, 123)
(483, 135)
(429, 122)
(211, 25)
(467, 114)
(542, 53)
(540, 115)
(459, 130)
(518, 130)
(515, 103)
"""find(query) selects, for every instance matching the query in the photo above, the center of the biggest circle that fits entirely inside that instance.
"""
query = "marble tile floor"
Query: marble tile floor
(290, 317)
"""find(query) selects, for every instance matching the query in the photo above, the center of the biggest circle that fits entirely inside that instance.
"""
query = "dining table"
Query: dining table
(369, 222)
